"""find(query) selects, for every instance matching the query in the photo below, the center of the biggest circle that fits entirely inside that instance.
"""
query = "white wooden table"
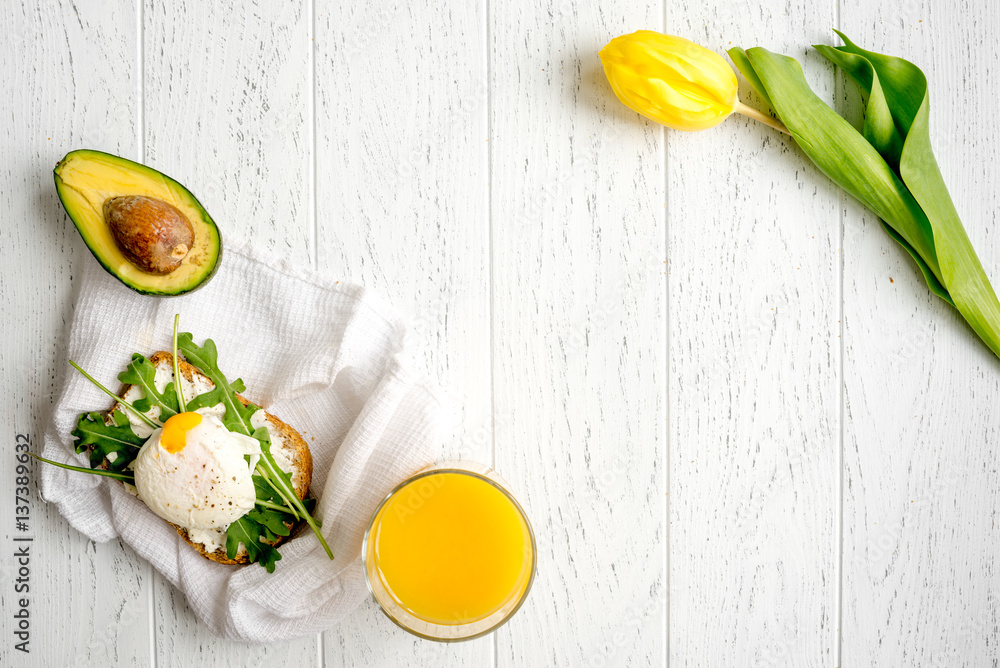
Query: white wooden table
(745, 431)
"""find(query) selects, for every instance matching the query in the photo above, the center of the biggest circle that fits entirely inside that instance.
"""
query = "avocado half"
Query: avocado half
(85, 179)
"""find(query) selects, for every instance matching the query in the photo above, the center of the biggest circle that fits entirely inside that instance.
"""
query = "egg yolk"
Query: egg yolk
(175, 429)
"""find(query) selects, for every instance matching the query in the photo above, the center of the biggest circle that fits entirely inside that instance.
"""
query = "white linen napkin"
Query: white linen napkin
(321, 355)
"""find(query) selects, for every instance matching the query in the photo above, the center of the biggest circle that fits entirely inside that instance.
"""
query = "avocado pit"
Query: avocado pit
(154, 235)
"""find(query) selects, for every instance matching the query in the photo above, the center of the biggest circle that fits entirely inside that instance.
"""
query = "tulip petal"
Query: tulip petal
(671, 80)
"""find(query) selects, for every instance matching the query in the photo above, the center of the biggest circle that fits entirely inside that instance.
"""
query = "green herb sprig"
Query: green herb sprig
(142, 373)
(110, 438)
(238, 419)
(177, 367)
(132, 409)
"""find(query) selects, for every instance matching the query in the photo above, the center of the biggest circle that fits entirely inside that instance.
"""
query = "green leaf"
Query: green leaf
(206, 358)
(104, 439)
(272, 519)
(932, 282)
(248, 532)
(908, 101)
(739, 58)
(904, 83)
(841, 152)
(121, 402)
(891, 168)
(277, 480)
(879, 125)
(263, 436)
(281, 482)
(178, 385)
(125, 477)
(215, 396)
(141, 372)
(264, 491)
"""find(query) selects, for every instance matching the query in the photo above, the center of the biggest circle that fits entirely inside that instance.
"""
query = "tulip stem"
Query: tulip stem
(750, 112)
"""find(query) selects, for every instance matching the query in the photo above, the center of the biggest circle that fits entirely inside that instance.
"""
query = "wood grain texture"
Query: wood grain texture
(227, 91)
(226, 102)
(920, 533)
(401, 189)
(69, 82)
(753, 240)
(578, 328)
(617, 311)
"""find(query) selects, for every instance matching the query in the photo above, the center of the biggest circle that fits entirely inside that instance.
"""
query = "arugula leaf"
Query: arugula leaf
(266, 535)
(178, 385)
(248, 532)
(206, 358)
(278, 480)
(273, 520)
(277, 504)
(215, 396)
(121, 402)
(125, 477)
(141, 372)
(103, 439)
(274, 511)
(264, 491)
(282, 484)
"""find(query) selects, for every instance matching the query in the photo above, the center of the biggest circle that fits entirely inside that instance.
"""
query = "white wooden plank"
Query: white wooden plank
(70, 82)
(401, 205)
(226, 106)
(579, 317)
(579, 329)
(920, 536)
(754, 357)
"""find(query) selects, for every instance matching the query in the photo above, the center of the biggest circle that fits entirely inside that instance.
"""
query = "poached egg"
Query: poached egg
(193, 472)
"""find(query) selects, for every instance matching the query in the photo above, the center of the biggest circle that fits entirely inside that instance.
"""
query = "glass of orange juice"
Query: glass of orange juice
(449, 554)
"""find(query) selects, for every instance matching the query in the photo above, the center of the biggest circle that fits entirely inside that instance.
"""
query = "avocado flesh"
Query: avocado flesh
(85, 179)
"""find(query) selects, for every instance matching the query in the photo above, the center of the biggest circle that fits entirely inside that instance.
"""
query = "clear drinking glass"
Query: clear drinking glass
(422, 486)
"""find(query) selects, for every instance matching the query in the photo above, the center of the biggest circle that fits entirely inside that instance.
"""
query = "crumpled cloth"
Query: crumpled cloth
(324, 356)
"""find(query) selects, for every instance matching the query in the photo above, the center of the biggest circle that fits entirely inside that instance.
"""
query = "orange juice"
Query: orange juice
(451, 548)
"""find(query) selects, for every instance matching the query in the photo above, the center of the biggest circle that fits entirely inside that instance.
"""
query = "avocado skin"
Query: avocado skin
(204, 222)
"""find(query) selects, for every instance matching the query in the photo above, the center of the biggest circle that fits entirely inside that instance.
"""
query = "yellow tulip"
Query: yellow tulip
(674, 81)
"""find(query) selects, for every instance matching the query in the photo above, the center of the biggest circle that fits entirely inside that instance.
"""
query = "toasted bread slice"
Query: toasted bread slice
(287, 445)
